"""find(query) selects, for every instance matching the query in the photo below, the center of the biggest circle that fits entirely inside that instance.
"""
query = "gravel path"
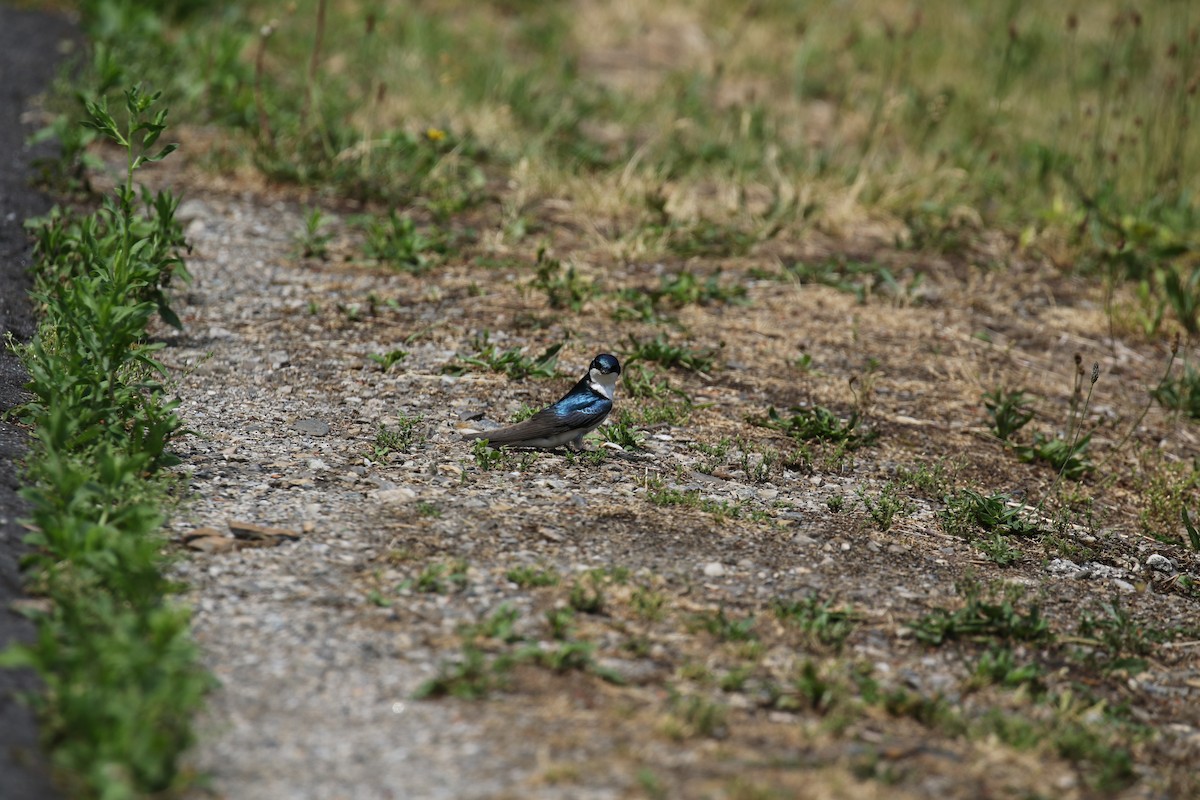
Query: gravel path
(316, 683)
(316, 680)
(315, 623)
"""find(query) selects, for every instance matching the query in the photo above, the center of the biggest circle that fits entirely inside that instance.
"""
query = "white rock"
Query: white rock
(398, 496)
(714, 569)
(1160, 563)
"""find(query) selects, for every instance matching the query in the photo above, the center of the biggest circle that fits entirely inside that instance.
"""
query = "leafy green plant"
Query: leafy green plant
(563, 289)
(1009, 412)
(1069, 457)
(819, 619)
(994, 513)
(1193, 534)
(389, 359)
(724, 627)
(532, 577)
(982, 618)
(661, 495)
(1122, 641)
(121, 672)
(623, 433)
(511, 362)
(441, 578)
(820, 424)
(472, 676)
(998, 666)
(693, 716)
(998, 549)
(861, 279)
(1180, 393)
(648, 604)
(397, 241)
(408, 433)
(312, 242)
(885, 506)
(587, 595)
(931, 478)
(661, 351)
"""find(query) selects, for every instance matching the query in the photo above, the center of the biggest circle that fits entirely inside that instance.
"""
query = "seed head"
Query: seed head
(1095, 371)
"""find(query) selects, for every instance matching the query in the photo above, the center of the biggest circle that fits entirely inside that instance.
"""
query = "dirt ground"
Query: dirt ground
(656, 663)
(718, 612)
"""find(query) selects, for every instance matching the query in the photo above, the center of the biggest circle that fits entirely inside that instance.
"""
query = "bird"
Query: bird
(578, 413)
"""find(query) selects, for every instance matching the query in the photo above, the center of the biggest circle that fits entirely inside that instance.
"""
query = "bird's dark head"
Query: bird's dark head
(603, 374)
(605, 364)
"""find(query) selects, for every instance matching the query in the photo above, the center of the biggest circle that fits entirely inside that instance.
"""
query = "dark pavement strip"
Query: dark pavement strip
(29, 53)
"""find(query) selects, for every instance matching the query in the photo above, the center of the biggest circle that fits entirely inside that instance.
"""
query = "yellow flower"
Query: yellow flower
(435, 134)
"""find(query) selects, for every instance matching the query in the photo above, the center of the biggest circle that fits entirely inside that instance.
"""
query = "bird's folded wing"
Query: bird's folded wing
(550, 421)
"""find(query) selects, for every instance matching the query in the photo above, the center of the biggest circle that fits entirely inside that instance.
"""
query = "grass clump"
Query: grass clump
(818, 423)
(819, 619)
(396, 241)
(884, 507)
(512, 362)
(982, 618)
(114, 652)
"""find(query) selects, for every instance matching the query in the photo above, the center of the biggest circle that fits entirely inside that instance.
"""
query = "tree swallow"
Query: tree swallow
(577, 414)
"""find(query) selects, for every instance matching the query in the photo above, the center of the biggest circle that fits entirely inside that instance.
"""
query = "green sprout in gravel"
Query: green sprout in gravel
(312, 242)
(819, 619)
(1009, 412)
(818, 423)
(563, 288)
(389, 359)
(983, 618)
(512, 362)
(661, 351)
(397, 242)
(402, 438)
(885, 506)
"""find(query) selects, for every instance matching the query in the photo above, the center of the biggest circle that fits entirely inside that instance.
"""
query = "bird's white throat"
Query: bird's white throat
(602, 383)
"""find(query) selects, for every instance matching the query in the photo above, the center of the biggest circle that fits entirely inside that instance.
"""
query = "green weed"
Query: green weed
(1180, 393)
(532, 577)
(885, 506)
(818, 423)
(312, 242)
(623, 433)
(408, 433)
(512, 362)
(818, 619)
(122, 676)
(695, 716)
(443, 578)
(1122, 642)
(932, 479)
(1069, 457)
(861, 279)
(723, 627)
(983, 619)
(994, 513)
(397, 242)
(661, 351)
(389, 359)
(1009, 412)
(562, 289)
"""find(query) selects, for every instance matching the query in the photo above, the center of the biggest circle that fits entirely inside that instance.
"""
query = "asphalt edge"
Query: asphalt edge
(30, 53)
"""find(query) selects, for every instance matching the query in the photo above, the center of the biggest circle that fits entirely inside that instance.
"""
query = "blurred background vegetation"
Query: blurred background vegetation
(991, 129)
